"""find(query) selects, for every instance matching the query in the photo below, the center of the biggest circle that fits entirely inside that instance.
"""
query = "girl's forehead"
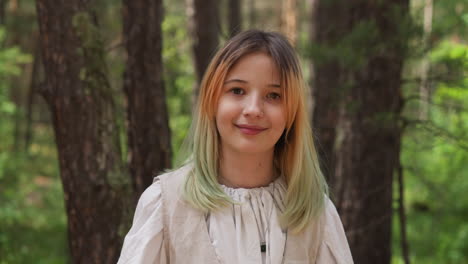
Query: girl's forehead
(254, 65)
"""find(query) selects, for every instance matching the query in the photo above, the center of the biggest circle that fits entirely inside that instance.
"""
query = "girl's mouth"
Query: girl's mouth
(250, 130)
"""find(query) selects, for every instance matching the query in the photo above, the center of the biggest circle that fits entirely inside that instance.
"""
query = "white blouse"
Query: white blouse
(237, 231)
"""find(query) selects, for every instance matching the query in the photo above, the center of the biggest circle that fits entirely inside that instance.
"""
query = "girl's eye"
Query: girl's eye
(274, 96)
(238, 91)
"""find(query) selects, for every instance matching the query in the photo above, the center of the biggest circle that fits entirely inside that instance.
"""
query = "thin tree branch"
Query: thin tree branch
(431, 186)
(402, 215)
(429, 126)
(434, 78)
(31, 93)
(416, 97)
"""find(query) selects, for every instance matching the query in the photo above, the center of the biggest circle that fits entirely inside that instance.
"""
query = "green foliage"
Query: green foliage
(435, 158)
(450, 62)
(10, 60)
(32, 217)
(450, 17)
(32, 213)
(179, 78)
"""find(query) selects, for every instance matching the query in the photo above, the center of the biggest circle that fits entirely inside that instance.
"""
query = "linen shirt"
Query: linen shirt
(236, 232)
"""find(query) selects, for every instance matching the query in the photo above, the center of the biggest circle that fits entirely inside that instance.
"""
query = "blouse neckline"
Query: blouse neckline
(239, 194)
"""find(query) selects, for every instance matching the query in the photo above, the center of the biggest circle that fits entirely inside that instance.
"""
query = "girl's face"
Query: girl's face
(251, 115)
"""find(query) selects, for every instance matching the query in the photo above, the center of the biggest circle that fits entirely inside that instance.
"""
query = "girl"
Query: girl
(252, 191)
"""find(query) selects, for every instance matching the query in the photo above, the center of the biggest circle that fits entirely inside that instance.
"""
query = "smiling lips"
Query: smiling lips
(250, 130)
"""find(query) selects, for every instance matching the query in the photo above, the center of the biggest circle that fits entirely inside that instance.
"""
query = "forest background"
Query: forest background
(96, 98)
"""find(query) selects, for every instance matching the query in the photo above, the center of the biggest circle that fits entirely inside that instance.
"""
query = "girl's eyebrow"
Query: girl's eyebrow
(274, 85)
(235, 80)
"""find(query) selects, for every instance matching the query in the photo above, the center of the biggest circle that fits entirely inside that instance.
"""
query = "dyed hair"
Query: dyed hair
(294, 156)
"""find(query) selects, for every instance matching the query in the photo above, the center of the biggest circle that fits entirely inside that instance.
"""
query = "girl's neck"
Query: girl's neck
(244, 170)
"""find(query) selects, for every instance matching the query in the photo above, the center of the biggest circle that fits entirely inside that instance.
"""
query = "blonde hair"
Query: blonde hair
(295, 154)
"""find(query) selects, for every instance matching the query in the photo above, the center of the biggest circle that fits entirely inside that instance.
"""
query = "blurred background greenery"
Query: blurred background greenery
(434, 151)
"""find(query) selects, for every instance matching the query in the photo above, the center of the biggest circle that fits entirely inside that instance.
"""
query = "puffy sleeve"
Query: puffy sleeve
(144, 243)
(334, 248)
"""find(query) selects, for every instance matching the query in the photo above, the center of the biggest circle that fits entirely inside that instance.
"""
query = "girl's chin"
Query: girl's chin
(249, 150)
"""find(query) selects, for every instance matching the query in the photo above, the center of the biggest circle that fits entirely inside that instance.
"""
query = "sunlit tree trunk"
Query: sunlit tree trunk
(289, 20)
(424, 87)
(148, 126)
(95, 182)
(252, 14)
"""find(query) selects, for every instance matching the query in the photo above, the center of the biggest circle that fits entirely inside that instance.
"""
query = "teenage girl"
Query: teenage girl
(252, 190)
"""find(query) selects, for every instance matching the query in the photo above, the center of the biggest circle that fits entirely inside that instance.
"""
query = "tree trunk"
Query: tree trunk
(235, 17)
(363, 99)
(289, 20)
(425, 85)
(95, 182)
(2, 12)
(327, 79)
(402, 216)
(148, 125)
(252, 14)
(205, 29)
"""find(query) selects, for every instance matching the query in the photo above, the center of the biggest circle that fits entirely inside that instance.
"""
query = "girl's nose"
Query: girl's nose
(253, 106)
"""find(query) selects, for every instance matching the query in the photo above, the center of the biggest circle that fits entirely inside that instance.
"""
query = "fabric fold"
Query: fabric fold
(238, 231)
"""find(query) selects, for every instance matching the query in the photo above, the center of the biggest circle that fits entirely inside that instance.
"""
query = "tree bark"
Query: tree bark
(95, 182)
(204, 27)
(2, 12)
(363, 100)
(235, 17)
(148, 125)
(205, 31)
(327, 79)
